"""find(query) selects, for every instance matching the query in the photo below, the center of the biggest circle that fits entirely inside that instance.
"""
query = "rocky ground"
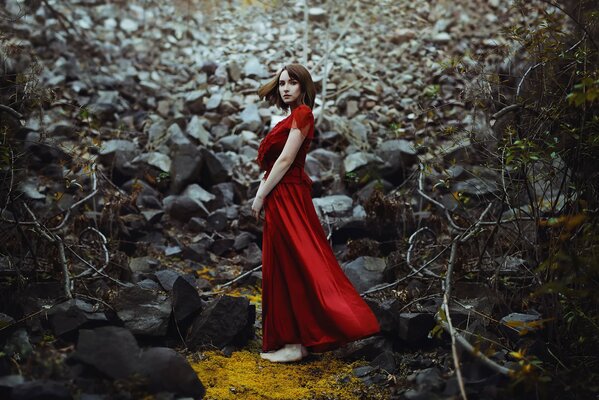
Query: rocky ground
(152, 110)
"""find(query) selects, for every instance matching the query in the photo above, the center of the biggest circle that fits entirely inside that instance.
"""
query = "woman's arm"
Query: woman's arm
(282, 164)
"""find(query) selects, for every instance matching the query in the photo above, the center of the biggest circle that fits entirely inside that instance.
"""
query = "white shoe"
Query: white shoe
(288, 353)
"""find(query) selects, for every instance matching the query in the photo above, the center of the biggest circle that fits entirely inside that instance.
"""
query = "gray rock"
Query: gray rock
(194, 102)
(18, 344)
(111, 350)
(522, 323)
(41, 390)
(214, 101)
(143, 311)
(231, 142)
(155, 159)
(255, 68)
(336, 205)
(73, 314)
(243, 240)
(477, 186)
(234, 71)
(30, 188)
(365, 272)
(176, 137)
(195, 129)
(361, 159)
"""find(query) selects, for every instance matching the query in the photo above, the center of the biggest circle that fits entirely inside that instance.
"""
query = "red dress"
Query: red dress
(306, 296)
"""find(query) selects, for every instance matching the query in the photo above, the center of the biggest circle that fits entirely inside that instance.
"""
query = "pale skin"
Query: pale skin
(290, 92)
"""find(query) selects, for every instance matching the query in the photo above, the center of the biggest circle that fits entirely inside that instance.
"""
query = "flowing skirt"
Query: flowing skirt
(306, 296)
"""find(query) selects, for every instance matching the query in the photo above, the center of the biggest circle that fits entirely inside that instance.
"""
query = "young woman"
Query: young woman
(307, 301)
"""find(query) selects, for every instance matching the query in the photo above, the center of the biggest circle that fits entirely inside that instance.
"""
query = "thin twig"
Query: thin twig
(452, 331)
(240, 277)
(411, 243)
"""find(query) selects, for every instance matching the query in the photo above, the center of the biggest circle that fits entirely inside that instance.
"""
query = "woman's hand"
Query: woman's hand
(257, 206)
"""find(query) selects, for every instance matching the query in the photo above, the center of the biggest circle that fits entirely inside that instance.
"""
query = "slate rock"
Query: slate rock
(168, 371)
(41, 390)
(385, 361)
(73, 314)
(111, 350)
(365, 272)
(226, 320)
(185, 298)
(143, 311)
(185, 168)
(414, 327)
(367, 349)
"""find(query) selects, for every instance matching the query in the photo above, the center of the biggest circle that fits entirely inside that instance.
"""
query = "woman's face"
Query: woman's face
(289, 89)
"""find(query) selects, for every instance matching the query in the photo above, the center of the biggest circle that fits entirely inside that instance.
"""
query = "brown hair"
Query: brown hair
(270, 91)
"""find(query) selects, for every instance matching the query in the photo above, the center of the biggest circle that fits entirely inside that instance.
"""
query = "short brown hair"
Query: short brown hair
(270, 90)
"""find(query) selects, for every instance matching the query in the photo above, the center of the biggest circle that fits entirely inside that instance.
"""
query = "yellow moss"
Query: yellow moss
(205, 273)
(252, 293)
(245, 375)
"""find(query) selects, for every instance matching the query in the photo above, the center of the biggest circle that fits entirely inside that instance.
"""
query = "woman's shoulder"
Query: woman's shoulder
(302, 109)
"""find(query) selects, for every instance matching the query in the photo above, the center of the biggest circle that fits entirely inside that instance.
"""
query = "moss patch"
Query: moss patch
(245, 375)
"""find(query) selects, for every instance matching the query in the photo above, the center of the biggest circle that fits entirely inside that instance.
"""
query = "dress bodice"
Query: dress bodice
(272, 144)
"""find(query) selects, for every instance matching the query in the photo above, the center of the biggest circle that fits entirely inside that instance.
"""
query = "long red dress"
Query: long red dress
(306, 296)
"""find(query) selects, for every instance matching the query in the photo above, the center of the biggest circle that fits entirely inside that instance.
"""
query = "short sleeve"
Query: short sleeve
(303, 119)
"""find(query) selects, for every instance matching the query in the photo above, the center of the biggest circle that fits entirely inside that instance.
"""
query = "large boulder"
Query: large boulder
(226, 320)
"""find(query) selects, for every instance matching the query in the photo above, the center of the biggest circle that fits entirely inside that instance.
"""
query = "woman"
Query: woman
(307, 301)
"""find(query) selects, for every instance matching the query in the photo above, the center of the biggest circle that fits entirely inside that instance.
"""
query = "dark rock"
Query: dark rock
(385, 313)
(111, 350)
(217, 221)
(194, 201)
(221, 246)
(166, 278)
(226, 320)
(413, 394)
(117, 154)
(18, 344)
(166, 370)
(252, 256)
(378, 184)
(225, 194)
(143, 311)
(399, 155)
(367, 349)
(217, 167)
(414, 327)
(185, 167)
(198, 251)
(183, 208)
(7, 383)
(149, 284)
(41, 390)
(143, 264)
(362, 371)
(365, 272)
(186, 300)
(385, 361)
(430, 378)
(243, 239)
(197, 224)
(5, 319)
(73, 314)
